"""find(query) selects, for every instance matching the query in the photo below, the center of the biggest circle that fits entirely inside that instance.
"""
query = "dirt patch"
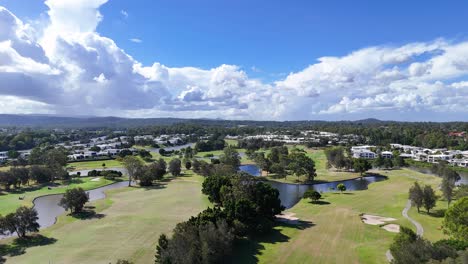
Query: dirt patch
(375, 219)
(288, 218)
(392, 228)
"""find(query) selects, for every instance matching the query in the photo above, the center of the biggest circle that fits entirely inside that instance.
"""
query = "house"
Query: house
(387, 154)
(364, 153)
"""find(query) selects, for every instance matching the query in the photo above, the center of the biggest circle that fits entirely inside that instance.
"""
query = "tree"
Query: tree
(379, 161)
(188, 164)
(74, 200)
(447, 187)
(388, 163)
(461, 191)
(212, 187)
(416, 195)
(456, 220)
(230, 157)
(133, 166)
(21, 174)
(429, 198)
(300, 164)
(21, 222)
(163, 243)
(312, 195)
(341, 187)
(175, 167)
(361, 165)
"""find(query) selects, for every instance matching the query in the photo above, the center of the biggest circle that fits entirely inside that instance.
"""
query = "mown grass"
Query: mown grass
(94, 164)
(131, 221)
(334, 233)
(9, 201)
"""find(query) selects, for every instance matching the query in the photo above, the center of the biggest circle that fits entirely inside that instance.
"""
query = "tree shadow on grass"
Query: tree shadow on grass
(19, 245)
(155, 187)
(319, 202)
(247, 249)
(87, 214)
(435, 213)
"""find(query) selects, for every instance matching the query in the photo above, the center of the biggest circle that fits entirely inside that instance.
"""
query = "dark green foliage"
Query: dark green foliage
(216, 142)
(188, 164)
(230, 157)
(361, 165)
(74, 200)
(300, 164)
(341, 187)
(461, 191)
(21, 222)
(192, 243)
(336, 158)
(175, 167)
(416, 195)
(429, 198)
(456, 220)
(312, 195)
(212, 187)
(134, 168)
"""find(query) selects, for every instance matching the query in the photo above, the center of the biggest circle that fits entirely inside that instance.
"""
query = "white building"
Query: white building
(387, 154)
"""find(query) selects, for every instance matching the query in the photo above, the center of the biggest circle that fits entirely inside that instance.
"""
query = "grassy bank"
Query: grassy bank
(9, 201)
(128, 225)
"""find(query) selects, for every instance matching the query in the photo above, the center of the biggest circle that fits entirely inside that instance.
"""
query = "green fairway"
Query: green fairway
(9, 201)
(94, 164)
(334, 233)
(132, 220)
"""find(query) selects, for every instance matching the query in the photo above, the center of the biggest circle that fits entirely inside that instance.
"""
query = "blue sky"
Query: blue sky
(276, 37)
(276, 43)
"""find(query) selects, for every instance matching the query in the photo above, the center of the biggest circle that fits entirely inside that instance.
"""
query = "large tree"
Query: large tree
(300, 164)
(416, 195)
(456, 220)
(134, 166)
(361, 165)
(230, 157)
(175, 167)
(21, 222)
(429, 198)
(74, 200)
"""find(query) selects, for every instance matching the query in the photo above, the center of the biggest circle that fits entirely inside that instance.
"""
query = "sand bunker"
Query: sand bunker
(392, 228)
(375, 219)
(96, 179)
(287, 218)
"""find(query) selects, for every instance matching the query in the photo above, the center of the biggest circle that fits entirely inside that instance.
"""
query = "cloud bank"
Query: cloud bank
(68, 68)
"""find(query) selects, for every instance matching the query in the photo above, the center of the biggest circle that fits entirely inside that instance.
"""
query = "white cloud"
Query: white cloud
(68, 68)
(136, 40)
(124, 13)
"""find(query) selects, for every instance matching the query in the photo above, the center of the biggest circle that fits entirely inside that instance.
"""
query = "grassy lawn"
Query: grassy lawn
(9, 201)
(130, 222)
(95, 164)
(332, 232)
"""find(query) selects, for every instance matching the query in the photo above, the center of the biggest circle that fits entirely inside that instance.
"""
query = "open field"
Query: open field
(129, 226)
(9, 201)
(332, 231)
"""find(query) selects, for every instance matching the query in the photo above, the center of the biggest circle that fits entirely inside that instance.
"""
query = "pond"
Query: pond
(290, 193)
(48, 209)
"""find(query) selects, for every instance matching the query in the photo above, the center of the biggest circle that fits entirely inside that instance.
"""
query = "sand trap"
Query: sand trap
(375, 219)
(96, 179)
(392, 228)
(287, 218)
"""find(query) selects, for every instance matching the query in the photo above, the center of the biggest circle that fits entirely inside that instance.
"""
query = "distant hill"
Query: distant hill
(51, 121)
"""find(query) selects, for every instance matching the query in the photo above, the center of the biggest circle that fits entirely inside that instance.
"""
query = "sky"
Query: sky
(261, 60)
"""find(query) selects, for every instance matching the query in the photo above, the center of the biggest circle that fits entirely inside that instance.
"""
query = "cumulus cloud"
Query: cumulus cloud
(69, 68)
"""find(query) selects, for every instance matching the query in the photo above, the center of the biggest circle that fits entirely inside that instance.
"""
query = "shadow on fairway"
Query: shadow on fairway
(319, 202)
(19, 245)
(246, 250)
(87, 214)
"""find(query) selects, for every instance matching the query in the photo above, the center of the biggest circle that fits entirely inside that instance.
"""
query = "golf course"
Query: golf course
(128, 222)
